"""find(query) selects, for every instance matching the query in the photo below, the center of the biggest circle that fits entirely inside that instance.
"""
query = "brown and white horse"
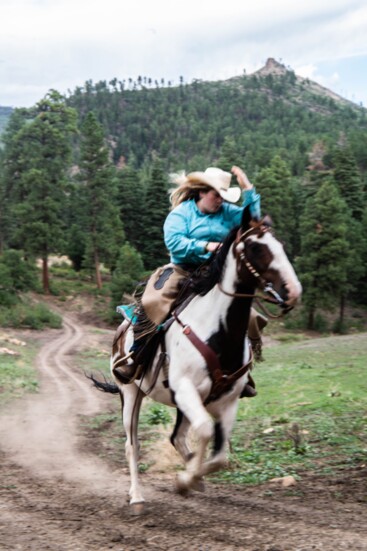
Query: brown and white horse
(217, 318)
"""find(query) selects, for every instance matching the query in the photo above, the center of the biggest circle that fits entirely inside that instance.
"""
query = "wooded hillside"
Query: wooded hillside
(87, 175)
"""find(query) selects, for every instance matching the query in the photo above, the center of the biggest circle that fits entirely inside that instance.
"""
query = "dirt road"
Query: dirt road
(55, 495)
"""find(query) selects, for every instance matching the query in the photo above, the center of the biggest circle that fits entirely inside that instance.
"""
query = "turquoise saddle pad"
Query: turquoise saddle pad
(128, 311)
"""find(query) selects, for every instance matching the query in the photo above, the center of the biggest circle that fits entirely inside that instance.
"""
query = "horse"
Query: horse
(206, 352)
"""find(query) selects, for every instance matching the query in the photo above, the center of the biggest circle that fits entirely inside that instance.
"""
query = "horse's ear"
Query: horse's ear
(246, 218)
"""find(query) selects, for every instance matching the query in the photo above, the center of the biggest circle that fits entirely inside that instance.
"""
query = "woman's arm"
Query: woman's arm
(181, 247)
(249, 195)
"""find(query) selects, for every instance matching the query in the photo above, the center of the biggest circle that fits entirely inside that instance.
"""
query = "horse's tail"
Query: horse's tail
(104, 386)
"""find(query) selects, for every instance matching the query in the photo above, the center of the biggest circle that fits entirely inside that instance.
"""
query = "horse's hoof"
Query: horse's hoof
(198, 485)
(183, 483)
(137, 509)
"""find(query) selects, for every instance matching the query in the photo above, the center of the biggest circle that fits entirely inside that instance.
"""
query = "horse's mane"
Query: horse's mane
(209, 274)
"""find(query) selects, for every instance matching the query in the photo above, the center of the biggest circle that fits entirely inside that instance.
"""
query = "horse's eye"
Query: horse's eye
(255, 248)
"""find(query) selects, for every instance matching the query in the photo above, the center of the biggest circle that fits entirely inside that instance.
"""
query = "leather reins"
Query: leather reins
(267, 287)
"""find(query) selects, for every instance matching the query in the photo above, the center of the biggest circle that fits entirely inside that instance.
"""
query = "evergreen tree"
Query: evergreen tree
(156, 207)
(11, 159)
(3, 209)
(129, 270)
(348, 181)
(356, 270)
(324, 250)
(229, 155)
(39, 156)
(130, 200)
(16, 275)
(103, 229)
(360, 287)
(278, 200)
(76, 222)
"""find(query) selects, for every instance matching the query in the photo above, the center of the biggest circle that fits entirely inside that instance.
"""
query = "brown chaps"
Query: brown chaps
(161, 293)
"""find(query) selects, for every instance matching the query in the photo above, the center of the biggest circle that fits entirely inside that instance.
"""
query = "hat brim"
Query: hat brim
(232, 194)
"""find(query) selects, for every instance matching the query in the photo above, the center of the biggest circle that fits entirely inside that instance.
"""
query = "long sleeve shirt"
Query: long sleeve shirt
(187, 230)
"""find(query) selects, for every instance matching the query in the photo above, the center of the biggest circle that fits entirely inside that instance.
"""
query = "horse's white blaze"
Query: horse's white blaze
(281, 264)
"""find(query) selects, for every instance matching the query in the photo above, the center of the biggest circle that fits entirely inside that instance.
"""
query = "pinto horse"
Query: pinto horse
(207, 352)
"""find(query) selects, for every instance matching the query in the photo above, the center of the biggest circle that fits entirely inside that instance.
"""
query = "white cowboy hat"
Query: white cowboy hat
(219, 180)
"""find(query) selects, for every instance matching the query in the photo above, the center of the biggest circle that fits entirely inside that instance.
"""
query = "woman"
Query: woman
(203, 213)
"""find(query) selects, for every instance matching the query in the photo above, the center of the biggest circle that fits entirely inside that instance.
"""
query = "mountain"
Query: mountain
(272, 111)
(275, 68)
(269, 112)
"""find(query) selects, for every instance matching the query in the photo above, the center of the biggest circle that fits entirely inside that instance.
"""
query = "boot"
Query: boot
(127, 369)
(249, 390)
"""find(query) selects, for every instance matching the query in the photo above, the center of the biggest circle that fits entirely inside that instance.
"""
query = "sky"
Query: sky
(60, 44)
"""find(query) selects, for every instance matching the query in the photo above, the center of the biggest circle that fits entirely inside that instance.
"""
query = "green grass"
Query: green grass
(310, 412)
(17, 374)
(95, 360)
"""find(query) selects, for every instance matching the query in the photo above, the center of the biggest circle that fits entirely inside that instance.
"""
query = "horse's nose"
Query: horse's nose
(292, 293)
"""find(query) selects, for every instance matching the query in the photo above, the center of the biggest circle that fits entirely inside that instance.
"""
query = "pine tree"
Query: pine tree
(278, 199)
(39, 156)
(155, 212)
(130, 200)
(129, 270)
(229, 155)
(360, 287)
(12, 167)
(324, 250)
(3, 209)
(103, 229)
(348, 181)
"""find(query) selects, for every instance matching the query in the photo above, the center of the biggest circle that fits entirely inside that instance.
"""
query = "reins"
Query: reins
(267, 287)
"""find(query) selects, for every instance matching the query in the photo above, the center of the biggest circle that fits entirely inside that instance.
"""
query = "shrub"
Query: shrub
(36, 316)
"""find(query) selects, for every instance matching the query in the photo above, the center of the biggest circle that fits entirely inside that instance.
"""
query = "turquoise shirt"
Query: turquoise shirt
(187, 230)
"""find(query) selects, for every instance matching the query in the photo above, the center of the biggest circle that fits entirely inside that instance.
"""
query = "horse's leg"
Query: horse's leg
(132, 399)
(223, 429)
(189, 402)
(179, 436)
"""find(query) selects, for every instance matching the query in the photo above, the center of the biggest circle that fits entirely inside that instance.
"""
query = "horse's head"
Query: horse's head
(261, 258)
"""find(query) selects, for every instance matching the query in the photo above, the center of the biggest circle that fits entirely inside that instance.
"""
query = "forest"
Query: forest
(86, 176)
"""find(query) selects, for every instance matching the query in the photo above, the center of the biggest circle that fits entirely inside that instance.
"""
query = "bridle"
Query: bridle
(271, 295)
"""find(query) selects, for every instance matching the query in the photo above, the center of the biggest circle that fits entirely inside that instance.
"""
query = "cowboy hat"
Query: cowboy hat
(219, 180)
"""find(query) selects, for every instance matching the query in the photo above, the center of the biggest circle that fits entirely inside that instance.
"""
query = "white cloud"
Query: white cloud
(52, 44)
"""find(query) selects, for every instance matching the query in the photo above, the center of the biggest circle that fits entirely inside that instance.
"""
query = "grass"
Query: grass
(17, 374)
(310, 413)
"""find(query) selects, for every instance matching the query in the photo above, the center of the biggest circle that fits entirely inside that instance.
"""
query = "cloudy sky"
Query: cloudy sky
(60, 44)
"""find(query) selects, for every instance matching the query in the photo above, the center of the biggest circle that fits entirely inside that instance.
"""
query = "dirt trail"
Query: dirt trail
(42, 434)
(56, 496)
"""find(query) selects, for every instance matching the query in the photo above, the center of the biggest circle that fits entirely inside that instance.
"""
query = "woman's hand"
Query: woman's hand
(242, 179)
(212, 246)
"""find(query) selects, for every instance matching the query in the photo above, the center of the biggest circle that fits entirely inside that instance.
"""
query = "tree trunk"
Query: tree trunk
(342, 310)
(311, 319)
(97, 270)
(45, 275)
